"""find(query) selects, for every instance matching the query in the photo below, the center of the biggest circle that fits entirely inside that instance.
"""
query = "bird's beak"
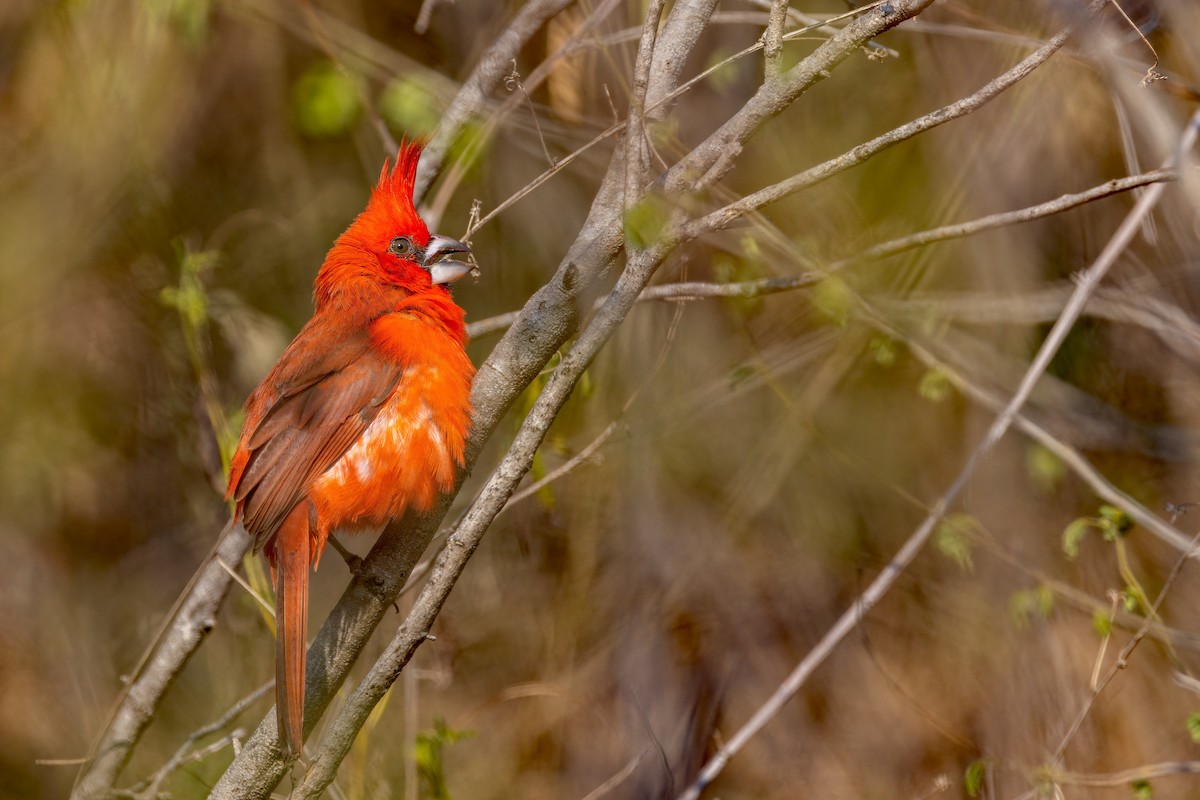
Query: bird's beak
(443, 270)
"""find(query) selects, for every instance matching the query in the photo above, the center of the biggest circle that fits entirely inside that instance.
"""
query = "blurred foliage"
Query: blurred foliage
(175, 171)
(325, 100)
(431, 769)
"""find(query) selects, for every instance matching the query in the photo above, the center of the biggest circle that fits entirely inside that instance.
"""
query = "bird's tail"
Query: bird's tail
(292, 564)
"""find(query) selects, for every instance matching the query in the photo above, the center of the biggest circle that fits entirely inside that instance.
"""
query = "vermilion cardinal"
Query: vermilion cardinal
(364, 416)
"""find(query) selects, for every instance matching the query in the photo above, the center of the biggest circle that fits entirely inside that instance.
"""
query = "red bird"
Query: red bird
(365, 414)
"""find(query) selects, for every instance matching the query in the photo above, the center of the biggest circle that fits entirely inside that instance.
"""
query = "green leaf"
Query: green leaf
(973, 778)
(325, 100)
(1073, 536)
(728, 269)
(409, 104)
(1026, 604)
(1193, 726)
(1141, 790)
(935, 386)
(1102, 622)
(833, 298)
(883, 350)
(1044, 468)
(725, 76)
(646, 220)
(1118, 519)
(429, 748)
(741, 373)
(1044, 601)
(1129, 599)
(953, 539)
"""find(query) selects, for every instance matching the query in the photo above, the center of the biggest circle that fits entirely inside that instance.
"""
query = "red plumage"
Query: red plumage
(364, 416)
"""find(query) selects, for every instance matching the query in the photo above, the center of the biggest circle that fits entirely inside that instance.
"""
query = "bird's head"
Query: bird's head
(388, 243)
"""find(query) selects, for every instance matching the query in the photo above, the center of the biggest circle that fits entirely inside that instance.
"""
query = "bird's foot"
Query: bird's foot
(352, 561)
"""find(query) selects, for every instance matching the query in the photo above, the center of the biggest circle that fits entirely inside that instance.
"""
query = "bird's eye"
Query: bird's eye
(402, 246)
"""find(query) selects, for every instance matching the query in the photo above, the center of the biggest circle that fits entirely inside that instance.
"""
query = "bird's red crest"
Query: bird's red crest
(390, 211)
(395, 187)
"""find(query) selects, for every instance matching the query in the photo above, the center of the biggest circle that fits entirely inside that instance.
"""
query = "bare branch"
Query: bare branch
(1056, 206)
(721, 218)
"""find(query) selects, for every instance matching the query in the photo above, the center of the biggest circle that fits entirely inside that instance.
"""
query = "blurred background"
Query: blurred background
(174, 171)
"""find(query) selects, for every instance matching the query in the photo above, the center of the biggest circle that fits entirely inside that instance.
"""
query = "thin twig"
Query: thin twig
(1122, 660)
(1058, 205)
(262, 601)
(1128, 776)
(183, 754)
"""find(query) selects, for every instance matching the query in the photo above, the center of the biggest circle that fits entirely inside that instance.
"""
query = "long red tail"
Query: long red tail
(292, 564)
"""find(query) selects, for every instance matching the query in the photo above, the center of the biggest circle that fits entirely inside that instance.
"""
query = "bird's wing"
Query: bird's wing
(315, 403)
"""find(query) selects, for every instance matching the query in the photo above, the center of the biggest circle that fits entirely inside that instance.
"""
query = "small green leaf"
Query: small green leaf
(409, 104)
(935, 386)
(1129, 599)
(750, 248)
(1120, 521)
(325, 100)
(953, 539)
(728, 269)
(833, 298)
(1044, 601)
(740, 373)
(725, 76)
(430, 767)
(1045, 468)
(1102, 622)
(1020, 607)
(1141, 790)
(646, 220)
(1026, 604)
(883, 350)
(973, 778)
(1073, 536)
(1193, 726)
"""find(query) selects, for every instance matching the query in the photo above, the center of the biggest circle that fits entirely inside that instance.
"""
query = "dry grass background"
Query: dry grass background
(639, 609)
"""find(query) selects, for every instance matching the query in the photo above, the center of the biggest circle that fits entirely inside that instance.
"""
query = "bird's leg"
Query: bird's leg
(352, 561)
